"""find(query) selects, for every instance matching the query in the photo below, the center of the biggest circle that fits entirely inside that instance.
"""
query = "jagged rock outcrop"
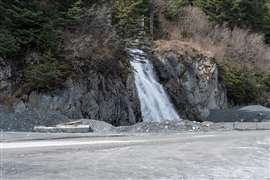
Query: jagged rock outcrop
(96, 98)
(191, 79)
(102, 85)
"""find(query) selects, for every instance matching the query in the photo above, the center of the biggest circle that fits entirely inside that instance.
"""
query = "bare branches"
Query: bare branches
(238, 45)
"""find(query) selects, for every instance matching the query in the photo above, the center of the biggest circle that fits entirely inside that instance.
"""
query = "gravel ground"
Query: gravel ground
(230, 155)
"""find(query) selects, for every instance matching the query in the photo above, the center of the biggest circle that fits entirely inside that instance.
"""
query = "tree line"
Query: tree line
(253, 14)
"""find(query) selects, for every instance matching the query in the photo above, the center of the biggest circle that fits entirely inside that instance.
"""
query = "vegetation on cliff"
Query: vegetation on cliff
(47, 75)
(234, 31)
(126, 14)
(37, 26)
(244, 86)
(213, 26)
(34, 25)
(234, 13)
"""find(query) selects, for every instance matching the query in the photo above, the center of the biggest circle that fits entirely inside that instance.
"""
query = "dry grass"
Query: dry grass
(238, 45)
(181, 48)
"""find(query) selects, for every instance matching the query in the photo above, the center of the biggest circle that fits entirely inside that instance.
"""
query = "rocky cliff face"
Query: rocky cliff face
(191, 79)
(94, 98)
(102, 86)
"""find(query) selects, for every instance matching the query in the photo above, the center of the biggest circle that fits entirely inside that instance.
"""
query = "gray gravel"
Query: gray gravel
(186, 156)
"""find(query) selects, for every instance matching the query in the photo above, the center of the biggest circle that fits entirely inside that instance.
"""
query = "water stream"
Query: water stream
(155, 104)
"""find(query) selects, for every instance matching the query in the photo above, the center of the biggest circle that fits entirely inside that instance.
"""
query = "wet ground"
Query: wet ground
(189, 156)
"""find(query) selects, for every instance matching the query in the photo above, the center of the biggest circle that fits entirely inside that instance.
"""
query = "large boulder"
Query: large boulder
(26, 121)
(190, 78)
(97, 126)
(255, 113)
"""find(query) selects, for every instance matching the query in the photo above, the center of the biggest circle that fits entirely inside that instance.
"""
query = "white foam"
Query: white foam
(155, 104)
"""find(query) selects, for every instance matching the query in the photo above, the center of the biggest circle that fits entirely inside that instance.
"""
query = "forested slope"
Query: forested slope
(70, 56)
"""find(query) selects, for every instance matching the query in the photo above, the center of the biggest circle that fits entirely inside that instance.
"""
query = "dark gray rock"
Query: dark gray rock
(99, 98)
(254, 113)
(192, 83)
(25, 121)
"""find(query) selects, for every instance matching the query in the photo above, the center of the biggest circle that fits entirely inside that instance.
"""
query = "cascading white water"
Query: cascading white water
(155, 104)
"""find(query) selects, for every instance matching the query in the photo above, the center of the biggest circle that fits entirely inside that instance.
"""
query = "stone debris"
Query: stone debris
(78, 126)
(86, 126)
(64, 129)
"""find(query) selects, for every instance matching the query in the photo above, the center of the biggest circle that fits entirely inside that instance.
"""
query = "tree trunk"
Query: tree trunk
(152, 14)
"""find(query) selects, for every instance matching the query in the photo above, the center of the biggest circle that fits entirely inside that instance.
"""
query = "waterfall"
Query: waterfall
(155, 104)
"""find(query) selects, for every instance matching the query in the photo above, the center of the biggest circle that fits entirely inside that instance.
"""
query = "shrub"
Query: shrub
(8, 43)
(238, 13)
(243, 56)
(244, 86)
(175, 5)
(238, 45)
(74, 13)
(48, 75)
(234, 13)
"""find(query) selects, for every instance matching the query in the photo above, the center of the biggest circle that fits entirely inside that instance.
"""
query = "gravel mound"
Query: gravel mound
(160, 127)
(98, 126)
(143, 127)
(255, 113)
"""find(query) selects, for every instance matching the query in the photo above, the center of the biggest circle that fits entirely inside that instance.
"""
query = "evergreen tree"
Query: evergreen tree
(32, 24)
(241, 13)
(127, 12)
